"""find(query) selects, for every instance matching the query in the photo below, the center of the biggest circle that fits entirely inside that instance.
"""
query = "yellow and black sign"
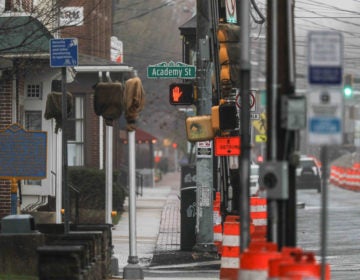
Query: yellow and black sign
(260, 138)
(260, 125)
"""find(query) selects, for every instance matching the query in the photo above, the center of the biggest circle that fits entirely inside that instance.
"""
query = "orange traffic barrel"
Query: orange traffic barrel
(303, 267)
(274, 266)
(260, 245)
(217, 223)
(288, 255)
(230, 255)
(254, 265)
(258, 216)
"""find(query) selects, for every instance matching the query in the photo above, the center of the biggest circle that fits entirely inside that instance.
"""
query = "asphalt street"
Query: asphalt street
(343, 229)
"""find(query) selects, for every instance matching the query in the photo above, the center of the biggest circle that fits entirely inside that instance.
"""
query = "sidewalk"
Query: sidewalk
(157, 220)
(158, 232)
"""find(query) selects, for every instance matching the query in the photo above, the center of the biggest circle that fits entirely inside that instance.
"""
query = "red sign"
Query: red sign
(227, 146)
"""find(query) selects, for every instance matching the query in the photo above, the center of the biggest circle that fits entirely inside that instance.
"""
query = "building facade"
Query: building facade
(26, 81)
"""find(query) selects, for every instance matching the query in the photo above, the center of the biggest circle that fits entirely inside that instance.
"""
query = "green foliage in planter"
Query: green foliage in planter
(91, 184)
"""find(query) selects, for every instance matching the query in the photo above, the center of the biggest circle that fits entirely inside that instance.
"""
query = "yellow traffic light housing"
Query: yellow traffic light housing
(228, 36)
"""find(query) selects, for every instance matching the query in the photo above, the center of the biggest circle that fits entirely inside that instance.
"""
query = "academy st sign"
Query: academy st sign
(171, 70)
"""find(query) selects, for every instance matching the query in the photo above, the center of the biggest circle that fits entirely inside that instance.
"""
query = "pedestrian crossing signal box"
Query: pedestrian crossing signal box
(181, 94)
(199, 128)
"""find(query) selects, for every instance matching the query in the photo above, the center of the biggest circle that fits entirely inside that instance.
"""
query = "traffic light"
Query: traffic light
(228, 36)
(181, 94)
(228, 117)
(348, 86)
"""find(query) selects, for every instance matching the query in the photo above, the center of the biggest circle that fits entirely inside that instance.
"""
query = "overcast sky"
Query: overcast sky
(310, 15)
(343, 16)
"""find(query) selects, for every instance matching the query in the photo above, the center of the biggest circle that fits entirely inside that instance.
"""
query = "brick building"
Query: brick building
(26, 81)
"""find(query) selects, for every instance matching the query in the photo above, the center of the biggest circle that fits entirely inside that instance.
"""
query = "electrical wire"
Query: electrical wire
(256, 8)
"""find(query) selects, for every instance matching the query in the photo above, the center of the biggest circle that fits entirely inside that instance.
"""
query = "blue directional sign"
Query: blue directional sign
(325, 125)
(325, 57)
(63, 52)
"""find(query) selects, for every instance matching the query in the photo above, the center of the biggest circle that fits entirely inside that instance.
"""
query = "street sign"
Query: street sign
(254, 116)
(252, 101)
(171, 70)
(325, 116)
(64, 52)
(325, 60)
(227, 146)
(260, 138)
(204, 149)
(260, 124)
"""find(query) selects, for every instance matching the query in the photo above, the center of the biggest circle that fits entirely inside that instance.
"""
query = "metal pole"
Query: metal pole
(243, 14)
(289, 228)
(58, 190)
(204, 165)
(109, 176)
(272, 108)
(274, 80)
(324, 191)
(133, 270)
(64, 152)
(132, 199)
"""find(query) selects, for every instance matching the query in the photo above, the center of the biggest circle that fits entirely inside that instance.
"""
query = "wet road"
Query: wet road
(343, 229)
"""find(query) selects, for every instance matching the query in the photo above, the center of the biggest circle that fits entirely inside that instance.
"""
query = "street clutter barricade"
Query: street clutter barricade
(254, 264)
(304, 266)
(260, 245)
(346, 177)
(258, 216)
(217, 227)
(287, 256)
(230, 255)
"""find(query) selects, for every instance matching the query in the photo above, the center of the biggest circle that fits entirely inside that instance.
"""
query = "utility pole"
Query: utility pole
(243, 15)
(204, 165)
(281, 141)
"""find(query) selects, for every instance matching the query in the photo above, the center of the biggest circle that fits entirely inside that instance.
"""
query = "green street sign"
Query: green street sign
(170, 70)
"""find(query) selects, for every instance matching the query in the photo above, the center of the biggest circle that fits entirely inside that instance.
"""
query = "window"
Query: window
(75, 133)
(33, 122)
(33, 91)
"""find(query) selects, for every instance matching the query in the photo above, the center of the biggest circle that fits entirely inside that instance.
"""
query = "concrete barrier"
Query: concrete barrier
(61, 262)
(18, 253)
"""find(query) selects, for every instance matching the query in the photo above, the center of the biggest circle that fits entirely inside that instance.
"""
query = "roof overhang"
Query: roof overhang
(103, 68)
(23, 36)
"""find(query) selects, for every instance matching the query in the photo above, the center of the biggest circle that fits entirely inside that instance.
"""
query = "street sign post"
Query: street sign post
(171, 70)
(325, 99)
(64, 52)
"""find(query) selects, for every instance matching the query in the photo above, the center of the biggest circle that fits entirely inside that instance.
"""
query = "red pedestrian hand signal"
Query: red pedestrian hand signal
(181, 94)
(176, 94)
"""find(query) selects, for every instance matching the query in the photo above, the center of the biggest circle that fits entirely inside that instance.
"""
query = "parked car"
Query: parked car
(308, 175)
